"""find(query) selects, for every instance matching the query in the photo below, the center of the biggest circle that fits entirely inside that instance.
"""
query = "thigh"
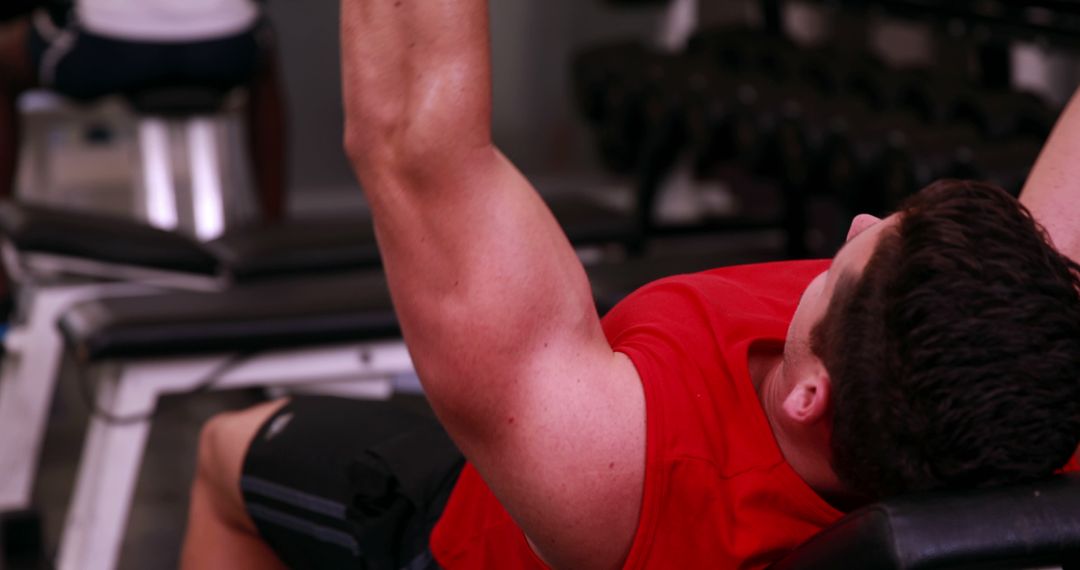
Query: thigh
(336, 483)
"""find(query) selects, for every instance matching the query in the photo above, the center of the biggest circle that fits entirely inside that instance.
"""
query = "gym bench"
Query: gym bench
(57, 258)
(1032, 526)
(337, 330)
(60, 257)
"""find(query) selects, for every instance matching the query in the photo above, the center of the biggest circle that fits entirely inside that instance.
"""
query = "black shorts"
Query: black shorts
(338, 483)
(82, 65)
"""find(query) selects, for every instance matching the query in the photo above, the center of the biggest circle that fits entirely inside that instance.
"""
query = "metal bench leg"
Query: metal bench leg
(158, 192)
(108, 473)
(206, 177)
(27, 385)
(26, 390)
(112, 454)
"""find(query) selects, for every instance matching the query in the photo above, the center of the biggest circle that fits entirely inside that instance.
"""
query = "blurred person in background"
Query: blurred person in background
(87, 49)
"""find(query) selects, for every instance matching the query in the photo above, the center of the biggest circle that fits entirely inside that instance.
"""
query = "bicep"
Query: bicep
(498, 314)
(568, 459)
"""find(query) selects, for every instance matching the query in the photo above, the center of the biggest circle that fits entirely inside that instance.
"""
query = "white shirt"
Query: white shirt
(167, 20)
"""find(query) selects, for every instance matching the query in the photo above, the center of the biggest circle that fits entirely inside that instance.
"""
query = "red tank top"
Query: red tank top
(717, 488)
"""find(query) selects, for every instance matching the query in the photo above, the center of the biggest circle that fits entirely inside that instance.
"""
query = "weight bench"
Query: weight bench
(60, 257)
(338, 330)
(1027, 526)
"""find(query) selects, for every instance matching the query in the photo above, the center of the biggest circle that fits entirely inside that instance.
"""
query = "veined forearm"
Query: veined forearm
(417, 82)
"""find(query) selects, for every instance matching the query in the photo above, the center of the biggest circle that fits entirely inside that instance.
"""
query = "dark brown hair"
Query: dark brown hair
(955, 356)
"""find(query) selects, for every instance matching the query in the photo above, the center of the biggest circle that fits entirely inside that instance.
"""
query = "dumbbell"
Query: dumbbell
(598, 70)
(745, 50)
(640, 108)
(870, 161)
(907, 90)
(835, 128)
(736, 119)
(916, 155)
(1005, 163)
(836, 71)
(1001, 115)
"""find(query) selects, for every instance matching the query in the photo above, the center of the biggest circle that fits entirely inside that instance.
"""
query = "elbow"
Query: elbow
(411, 149)
(367, 147)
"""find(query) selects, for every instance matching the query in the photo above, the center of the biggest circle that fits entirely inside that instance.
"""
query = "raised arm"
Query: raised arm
(493, 303)
(1052, 192)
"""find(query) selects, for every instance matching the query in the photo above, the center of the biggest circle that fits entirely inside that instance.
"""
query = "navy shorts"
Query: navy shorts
(338, 483)
(84, 66)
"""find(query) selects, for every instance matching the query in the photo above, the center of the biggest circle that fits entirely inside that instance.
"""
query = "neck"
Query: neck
(801, 448)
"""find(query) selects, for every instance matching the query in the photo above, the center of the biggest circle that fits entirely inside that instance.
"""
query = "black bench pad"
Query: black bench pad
(297, 247)
(1028, 526)
(282, 313)
(286, 313)
(253, 252)
(109, 239)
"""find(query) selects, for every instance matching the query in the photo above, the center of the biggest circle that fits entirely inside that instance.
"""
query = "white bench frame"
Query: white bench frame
(113, 452)
(34, 348)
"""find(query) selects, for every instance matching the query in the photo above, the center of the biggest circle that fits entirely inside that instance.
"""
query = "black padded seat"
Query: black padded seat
(297, 247)
(109, 239)
(246, 253)
(285, 313)
(315, 245)
(1028, 526)
(253, 252)
(178, 100)
(282, 313)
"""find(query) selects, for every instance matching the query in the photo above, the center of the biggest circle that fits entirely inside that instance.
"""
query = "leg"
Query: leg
(320, 483)
(220, 533)
(17, 74)
(266, 129)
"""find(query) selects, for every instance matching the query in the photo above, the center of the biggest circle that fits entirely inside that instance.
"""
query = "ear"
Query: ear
(808, 401)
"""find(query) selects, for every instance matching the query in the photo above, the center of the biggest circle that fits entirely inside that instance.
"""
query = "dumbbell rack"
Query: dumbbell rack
(900, 127)
(991, 25)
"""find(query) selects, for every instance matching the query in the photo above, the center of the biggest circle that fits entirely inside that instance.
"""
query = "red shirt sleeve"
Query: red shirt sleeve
(1073, 466)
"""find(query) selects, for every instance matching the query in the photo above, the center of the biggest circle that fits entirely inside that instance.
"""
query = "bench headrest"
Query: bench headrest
(1026, 526)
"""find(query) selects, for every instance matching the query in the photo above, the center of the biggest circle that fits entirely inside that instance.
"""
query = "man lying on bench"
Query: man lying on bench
(720, 418)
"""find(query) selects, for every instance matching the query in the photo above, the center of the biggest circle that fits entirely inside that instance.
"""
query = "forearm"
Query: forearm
(417, 83)
(1052, 191)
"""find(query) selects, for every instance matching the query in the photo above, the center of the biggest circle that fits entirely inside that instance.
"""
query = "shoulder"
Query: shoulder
(744, 293)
